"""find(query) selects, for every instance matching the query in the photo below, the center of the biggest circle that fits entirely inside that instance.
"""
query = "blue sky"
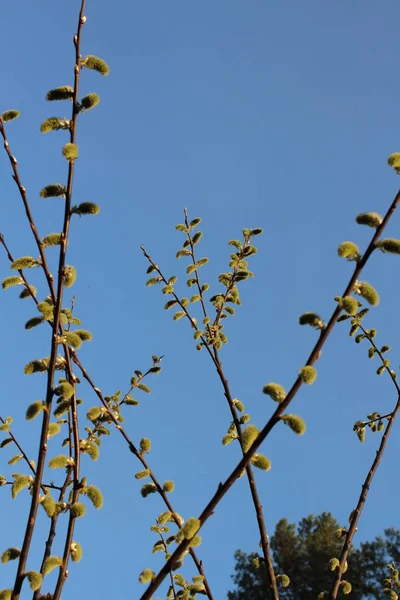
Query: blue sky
(256, 114)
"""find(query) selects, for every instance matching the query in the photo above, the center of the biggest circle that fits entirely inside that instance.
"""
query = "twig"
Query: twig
(213, 353)
(223, 488)
(145, 464)
(367, 482)
(56, 319)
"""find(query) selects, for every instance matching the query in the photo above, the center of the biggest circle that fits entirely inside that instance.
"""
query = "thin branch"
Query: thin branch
(223, 488)
(213, 353)
(370, 475)
(57, 309)
(144, 462)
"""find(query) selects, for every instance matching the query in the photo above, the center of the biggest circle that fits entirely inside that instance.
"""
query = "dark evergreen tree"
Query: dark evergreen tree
(303, 553)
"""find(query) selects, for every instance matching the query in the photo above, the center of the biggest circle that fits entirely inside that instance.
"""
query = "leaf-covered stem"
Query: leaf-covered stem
(144, 462)
(360, 505)
(224, 487)
(368, 480)
(53, 525)
(56, 320)
(213, 353)
(23, 194)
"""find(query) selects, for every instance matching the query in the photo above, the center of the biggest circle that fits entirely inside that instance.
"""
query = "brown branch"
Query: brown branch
(214, 355)
(371, 473)
(223, 488)
(53, 526)
(145, 464)
(22, 191)
(57, 309)
(361, 501)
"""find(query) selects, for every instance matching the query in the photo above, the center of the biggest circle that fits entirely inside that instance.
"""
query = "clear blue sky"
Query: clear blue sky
(278, 115)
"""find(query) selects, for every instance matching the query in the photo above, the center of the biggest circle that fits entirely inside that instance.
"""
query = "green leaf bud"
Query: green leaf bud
(131, 401)
(372, 219)
(59, 462)
(53, 190)
(69, 276)
(10, 554)
(308, 374)
(283, 579)
(196, 238)
(85, 336)
(238, 405)
(385, 349)
(91, 449)
(371, 352)
(249, 435)
(190, 528)
(244, 419)
(77, 510)
(389, 245)
(94, 413)
(369, 293)
(14, 459)
(5, 442)
(46, 309)
(261, 462)
(275, 391)
(227, 439)
(148, 488)
(170, 303)
(142, 474)
(34, 410)
(295, 423)
(36, 366)
(158, 547)
(24, 262)
(90, 101)
(62, 408)
(394, 161)
(196, 221)
(49, 505)
(54, 429)
(345, 587)
(11, 281)
(333, 564)
(35, 580)
(349, 305)
(86, 208)
(145, 446)
(20, 483)
(380, 370)
(361, 434)
(27, 291)
(96, 64)
(312, 319)
(76, 551)
(146, 575)
(70, 152)
(178, 315)
(94, 495)
(54, 124)
(349, 250)
(65, 92)
(33, 322)
(52, 239)
(64, 389)
(51, 562)
(10, 115)
(183, 252)
(168, 486)
(144, 388)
